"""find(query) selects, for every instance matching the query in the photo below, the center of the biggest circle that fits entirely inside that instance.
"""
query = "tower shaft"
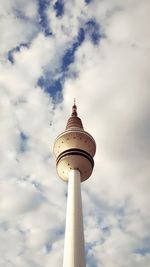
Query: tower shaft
(74, 252)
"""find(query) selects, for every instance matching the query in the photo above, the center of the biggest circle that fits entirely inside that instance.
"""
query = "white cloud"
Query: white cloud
(112, 93)
(14, 29)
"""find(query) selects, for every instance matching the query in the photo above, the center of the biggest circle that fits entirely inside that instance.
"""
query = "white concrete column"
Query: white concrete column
(74, 253)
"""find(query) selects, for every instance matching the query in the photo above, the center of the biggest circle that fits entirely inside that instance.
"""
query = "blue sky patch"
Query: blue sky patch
(23, 142)
(68, 57)
(43, 21)
(88, 1)
(142, 251)
(54, 86)
(59, 8)
(19, 14)
(10, 54)
(144, 248)
(92, 29)
(51, 86)
(47, 247)
(90, 258)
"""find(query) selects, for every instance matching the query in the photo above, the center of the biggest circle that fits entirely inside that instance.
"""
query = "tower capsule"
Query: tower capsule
(74, 149)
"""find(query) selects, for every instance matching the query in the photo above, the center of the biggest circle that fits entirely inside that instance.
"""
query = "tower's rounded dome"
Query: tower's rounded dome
(74, 149)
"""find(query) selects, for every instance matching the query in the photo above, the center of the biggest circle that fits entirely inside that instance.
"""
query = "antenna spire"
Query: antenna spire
(74, 109)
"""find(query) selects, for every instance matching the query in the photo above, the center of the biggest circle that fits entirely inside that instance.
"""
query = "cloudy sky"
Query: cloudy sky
(99, 52)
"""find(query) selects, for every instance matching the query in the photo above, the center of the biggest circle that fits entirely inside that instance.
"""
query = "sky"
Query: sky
(98, 52)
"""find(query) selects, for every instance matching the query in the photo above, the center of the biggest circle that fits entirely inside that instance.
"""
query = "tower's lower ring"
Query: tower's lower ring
(74, 158)
(75, 151)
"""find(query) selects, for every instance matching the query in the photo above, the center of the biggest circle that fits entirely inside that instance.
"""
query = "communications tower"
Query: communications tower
(74, 150)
